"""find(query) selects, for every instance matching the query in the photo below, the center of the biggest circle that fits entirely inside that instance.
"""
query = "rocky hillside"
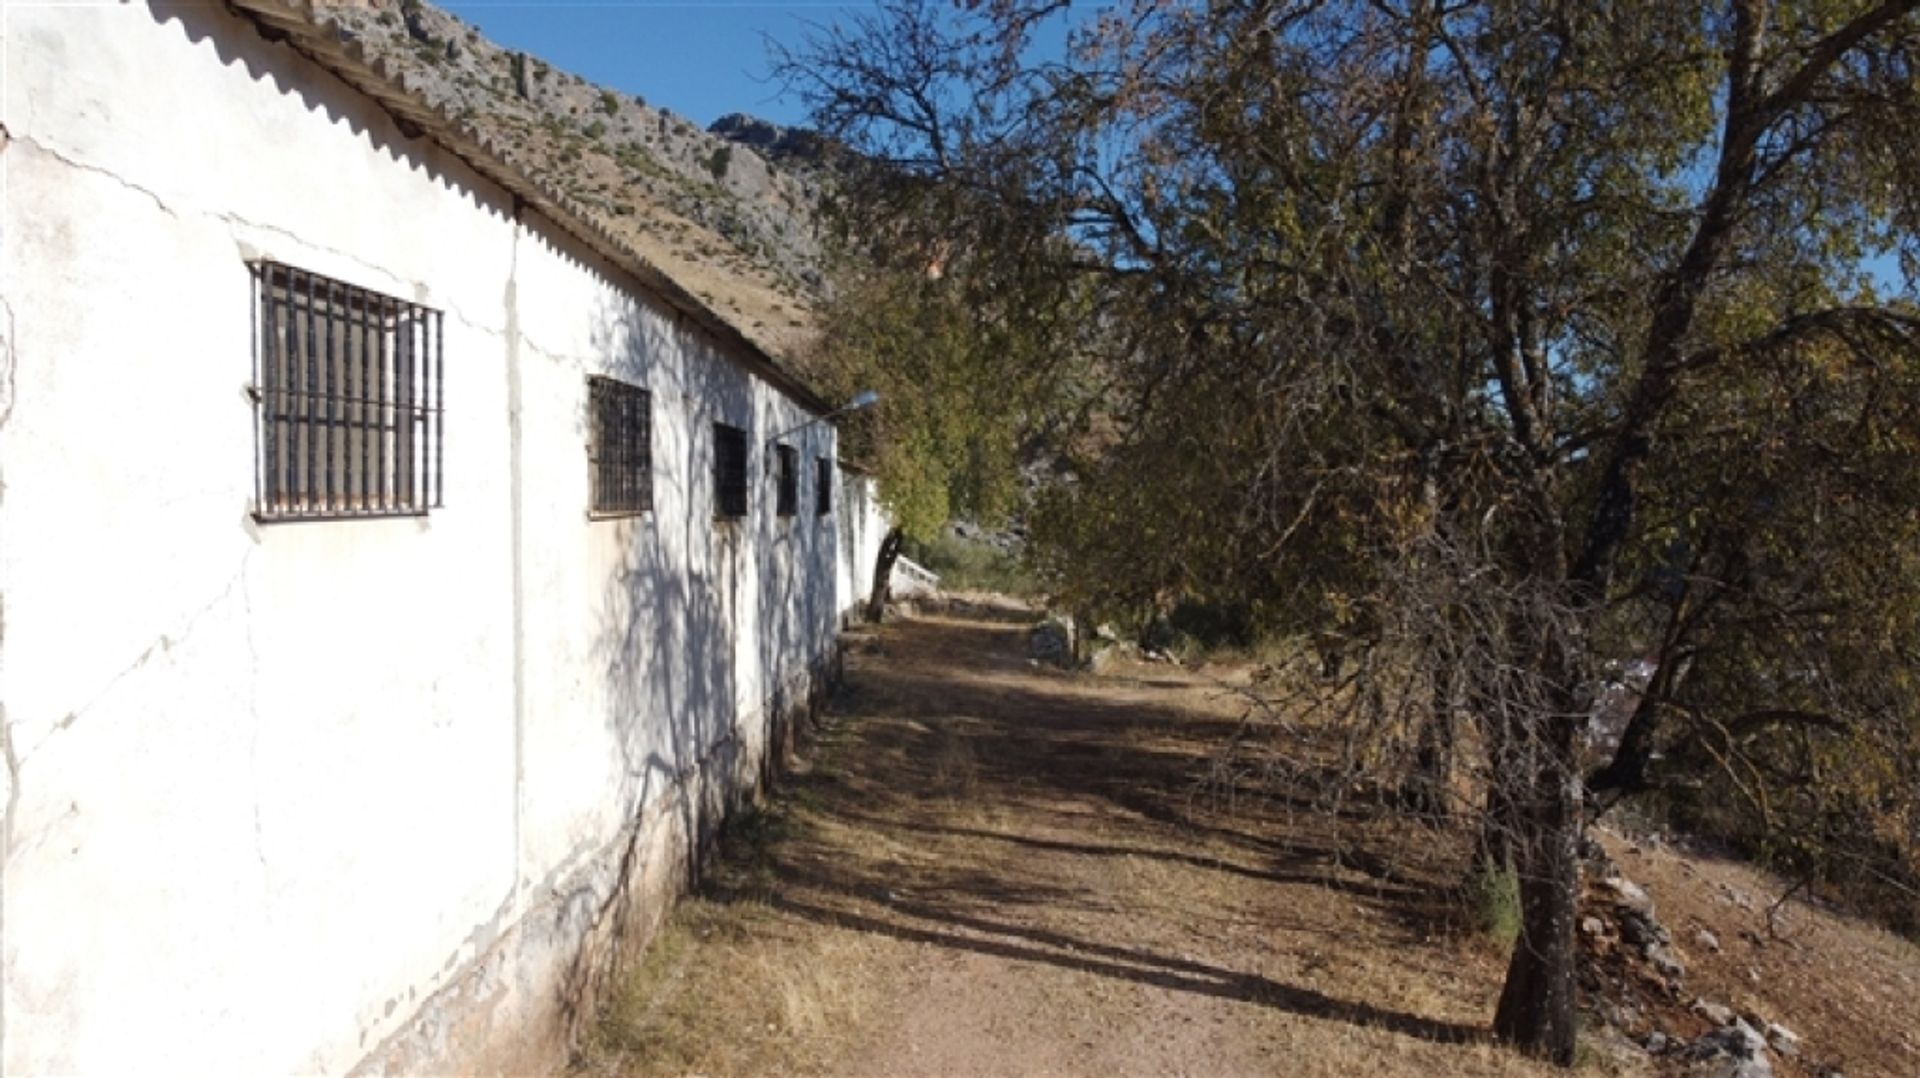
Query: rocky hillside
(711, 209)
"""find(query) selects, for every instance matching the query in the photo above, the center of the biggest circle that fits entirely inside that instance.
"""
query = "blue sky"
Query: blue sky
(706, 58)
(700, 58)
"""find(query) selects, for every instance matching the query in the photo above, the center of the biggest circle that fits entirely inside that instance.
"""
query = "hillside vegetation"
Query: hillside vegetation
(716, 214)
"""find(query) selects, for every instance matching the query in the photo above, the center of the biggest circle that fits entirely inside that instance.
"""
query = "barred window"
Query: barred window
(729, 471)
(349, 400)
(823, 485)
(787, 494)
(620, 447)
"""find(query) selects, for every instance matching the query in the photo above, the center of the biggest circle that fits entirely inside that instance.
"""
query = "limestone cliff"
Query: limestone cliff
(718, 215)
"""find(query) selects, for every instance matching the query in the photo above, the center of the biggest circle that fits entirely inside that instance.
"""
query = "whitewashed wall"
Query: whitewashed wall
(863, 525)
(311, 797)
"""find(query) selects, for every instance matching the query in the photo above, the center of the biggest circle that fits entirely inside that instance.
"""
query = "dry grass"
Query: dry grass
(955, 773)
(731, 985)
(732, 988)
(991, 868)
(1849, 988)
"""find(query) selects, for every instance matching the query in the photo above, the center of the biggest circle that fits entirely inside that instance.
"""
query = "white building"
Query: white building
(379, 641)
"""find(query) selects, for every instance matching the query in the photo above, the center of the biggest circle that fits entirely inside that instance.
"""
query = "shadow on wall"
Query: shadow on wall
(667, 624)
(796, 596)
(671, 606)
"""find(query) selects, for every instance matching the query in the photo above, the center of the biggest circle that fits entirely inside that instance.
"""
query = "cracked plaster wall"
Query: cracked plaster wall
(317, 796)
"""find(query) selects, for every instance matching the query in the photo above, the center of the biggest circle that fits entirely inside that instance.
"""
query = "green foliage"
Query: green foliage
(609, 102)
(1508, 340)
(1213, 625)
(595, 129)
(959, 384)
(1492, 897)
(719, 161)
(634, 157)
(970, 565)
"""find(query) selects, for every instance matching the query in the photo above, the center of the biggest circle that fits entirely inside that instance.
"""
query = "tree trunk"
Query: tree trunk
(1425, 790)
(1536, 1011)
(883, 574)
(1627, 771)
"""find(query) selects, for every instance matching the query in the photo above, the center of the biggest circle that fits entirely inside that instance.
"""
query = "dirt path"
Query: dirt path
(987, 867)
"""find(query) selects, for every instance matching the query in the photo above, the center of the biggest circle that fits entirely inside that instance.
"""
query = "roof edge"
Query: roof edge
(301, 24)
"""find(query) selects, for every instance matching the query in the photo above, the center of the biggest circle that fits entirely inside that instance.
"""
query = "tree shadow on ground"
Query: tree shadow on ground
(941, 730)
(1145, 968)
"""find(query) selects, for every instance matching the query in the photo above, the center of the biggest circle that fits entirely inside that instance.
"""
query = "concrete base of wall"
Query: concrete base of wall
(525, 1004)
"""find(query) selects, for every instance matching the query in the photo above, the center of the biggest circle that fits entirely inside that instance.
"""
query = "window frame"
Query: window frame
(786, 476)
(314, 358)
(619, 477)
(731, 500)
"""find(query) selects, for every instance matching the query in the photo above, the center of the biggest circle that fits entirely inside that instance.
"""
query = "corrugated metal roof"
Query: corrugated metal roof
(303, 25)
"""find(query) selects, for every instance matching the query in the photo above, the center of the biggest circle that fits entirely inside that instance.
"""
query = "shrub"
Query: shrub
(970, 565)
(1213, 624)
(1493, 901)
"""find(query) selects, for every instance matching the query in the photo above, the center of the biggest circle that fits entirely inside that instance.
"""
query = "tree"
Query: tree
(1463, 305)
(963, 380)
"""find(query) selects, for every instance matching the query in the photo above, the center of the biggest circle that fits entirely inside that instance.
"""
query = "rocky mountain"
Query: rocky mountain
(733, 214)
(793, 147)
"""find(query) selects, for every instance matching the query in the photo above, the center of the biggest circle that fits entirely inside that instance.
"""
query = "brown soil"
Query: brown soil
(1849, 989)
(983, 866)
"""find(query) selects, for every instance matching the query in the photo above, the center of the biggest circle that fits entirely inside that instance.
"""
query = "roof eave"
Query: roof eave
(303, 28)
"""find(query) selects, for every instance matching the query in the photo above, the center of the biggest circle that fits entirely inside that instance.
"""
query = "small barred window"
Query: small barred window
(621, 447)
(823, 485)
(787, 499)
(349, 400)
(729, 471)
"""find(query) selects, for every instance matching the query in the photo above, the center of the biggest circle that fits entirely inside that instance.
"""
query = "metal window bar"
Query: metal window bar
(729, 471)
(350, 399)
(787, 494)
(403, 433)
(822, 486)
(620, 447)
(378, 403)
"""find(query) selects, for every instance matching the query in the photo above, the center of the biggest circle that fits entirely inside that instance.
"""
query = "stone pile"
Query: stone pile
(1632, 968)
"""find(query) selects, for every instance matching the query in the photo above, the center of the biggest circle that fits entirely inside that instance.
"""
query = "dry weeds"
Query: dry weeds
(985, 867)
(729, 988)
(1850, 989)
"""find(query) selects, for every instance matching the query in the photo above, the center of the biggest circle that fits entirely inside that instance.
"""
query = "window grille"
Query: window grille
(349, 400)
(729, 471)
(787, 500)
(823, 485)
(620, 448)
